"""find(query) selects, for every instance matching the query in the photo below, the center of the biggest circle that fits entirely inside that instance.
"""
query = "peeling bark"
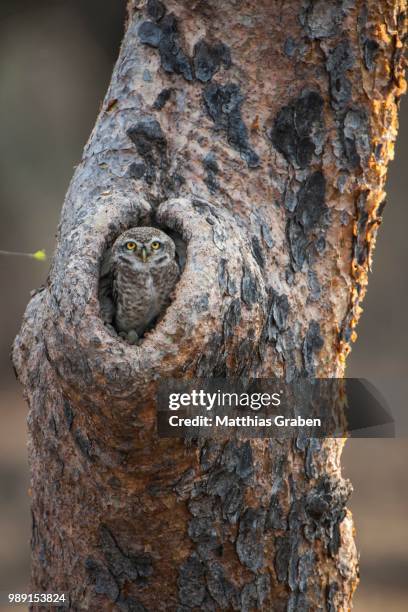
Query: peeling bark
(260, 132)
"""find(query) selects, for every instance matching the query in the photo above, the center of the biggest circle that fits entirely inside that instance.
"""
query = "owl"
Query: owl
(137, 279)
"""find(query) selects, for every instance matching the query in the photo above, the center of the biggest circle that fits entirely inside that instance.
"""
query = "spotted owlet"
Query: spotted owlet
(143, 270)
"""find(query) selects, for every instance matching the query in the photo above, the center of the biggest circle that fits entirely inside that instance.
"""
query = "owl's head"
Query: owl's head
(143, 248)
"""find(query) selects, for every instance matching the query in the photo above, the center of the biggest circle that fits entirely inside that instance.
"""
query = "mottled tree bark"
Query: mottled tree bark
(260, 131)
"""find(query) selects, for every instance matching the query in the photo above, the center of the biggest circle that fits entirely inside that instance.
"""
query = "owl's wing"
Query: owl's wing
(105, 290)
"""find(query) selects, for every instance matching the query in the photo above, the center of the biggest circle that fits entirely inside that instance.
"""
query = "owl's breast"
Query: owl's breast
(137, 300)
(151, 295)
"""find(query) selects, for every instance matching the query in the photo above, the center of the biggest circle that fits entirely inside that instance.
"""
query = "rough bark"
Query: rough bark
(260, 131)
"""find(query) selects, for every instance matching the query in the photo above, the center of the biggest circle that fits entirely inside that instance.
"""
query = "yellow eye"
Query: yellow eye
(155, 245)
(131, 246)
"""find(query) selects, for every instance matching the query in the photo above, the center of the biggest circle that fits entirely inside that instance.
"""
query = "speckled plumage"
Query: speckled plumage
(142, 285)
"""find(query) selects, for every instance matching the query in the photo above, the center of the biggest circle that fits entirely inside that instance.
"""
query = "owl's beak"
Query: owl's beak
(144, 254)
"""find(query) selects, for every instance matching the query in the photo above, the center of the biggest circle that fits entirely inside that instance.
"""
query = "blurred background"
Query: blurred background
(56, 58)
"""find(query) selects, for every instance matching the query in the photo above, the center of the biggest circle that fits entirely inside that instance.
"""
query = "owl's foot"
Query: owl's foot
(131, 337)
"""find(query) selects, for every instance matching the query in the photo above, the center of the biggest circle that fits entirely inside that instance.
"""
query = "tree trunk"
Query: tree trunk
(260, 131)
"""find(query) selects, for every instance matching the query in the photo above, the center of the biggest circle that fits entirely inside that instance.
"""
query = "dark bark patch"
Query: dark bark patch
(105, 583)
(298, 602)
(379, 147)
(325, 507)
(149, 33)
(245, 355)
(311, 201)
(151, 144)
(282, 557)
(123, 566)
(278, 485)
(147, 136)
(312, 344)
(238, 459)
(227, 481)
(313, 447)
(298, 129)
(233, 502)
(185, 483)
(212, 169)
(339, 61)
(137, 170)
(332, 590)
(232, 318)
(220, 588)
(249, 598)
(344, 218)
(204, 208)
(75, 365)
(164, 37)
(219, 233)
(309, 213)
(257, 251)
(347, 330)
(172, 183)
(371, 50)
(254, 594)
(173, 59)
(225, 282)
(230, 491)
(191, 582)
(305, 568)
(262, 230)
(298, 244)
(275, 519)
(356, 137)
(84, 444)
(278, 311)
(209, 58)
(401, 22)
(318, 505)
(69, 413)
(249, 287)
(381, 207)
(296, 520)
(202, 531)
(210, 163)
(162, 99)
(202, 506)
(219, 482)
(314, 286)
(266, 235)
(320, 245)
(156, 9)
(201, 304)
(223, 104)
(361, 245)
(290, 199)
(322, 18)
(334, 543)
(250, 543)
(263, 587)
(212, 362)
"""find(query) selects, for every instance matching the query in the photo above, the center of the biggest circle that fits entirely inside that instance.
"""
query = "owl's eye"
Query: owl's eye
(131, 246)
(155, 245)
